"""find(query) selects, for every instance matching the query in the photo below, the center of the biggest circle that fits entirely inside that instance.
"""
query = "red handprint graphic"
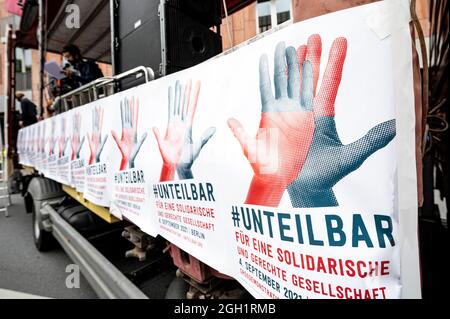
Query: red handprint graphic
(177, 147)
(76, 143)
(41, 140)
(276, 162)
(63, 139)
(51, 139)
(96, 144)
(128, 143)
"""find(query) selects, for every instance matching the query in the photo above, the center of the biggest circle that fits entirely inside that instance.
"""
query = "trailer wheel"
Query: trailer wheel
(38, 191)
(178, 289)
(43, 240)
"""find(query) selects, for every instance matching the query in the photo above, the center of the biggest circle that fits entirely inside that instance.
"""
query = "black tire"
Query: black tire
(177, 289)
(15, 182)
(43, 240)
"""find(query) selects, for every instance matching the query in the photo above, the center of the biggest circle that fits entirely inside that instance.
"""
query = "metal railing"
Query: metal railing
(102, 88)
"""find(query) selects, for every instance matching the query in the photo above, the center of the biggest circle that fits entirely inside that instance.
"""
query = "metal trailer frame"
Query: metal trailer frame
(106, 280)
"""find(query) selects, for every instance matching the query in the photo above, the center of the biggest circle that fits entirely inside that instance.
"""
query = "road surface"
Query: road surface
(24, 269)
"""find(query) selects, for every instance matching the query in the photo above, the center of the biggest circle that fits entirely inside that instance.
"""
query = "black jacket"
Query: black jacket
(29, 112)
(88, 72)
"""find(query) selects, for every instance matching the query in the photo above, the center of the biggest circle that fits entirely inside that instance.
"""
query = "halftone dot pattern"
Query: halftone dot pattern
(293, 143)
(314, 54)
(51, 138)
(62, 138)
(177, 146)
(96, 144)
(128, 143)
(301, 55)
(291, 151)
(325, 99)
(329, 161)
(76, 141)
(289, 115)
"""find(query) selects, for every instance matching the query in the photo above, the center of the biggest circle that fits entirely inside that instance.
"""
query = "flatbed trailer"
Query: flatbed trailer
(138, 265)
(121, 260)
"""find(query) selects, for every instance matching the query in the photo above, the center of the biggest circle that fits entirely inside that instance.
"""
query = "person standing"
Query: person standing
(28, 110)
(78, 71)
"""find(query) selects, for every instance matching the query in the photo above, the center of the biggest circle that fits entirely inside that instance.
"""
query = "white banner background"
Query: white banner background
(376, 87)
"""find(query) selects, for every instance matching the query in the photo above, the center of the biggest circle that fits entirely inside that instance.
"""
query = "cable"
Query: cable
(425, 73)
(230, 38)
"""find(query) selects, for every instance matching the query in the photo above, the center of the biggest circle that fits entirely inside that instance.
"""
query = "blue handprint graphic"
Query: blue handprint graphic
(329, 160)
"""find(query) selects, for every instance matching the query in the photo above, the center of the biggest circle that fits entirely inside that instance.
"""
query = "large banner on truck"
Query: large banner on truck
(64, 149)
(129, 194)
(51, 147)
(288, 164)
(79, 156)
(98, 169)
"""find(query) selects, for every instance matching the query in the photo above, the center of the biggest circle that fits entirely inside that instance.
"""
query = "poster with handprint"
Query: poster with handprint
(78, 148)
(26, 148)
(51, 148)
(97, 186)
(37, 159)
(287, 164)
(319, 218)
(64, 155)
(32, 130)
(129, 193)
(20, 144)
(185, 206)
(34, 147)
(42, 143)
(293, 142)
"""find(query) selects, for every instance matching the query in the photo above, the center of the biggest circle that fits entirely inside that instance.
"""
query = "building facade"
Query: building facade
(260, 16)
(263, 15)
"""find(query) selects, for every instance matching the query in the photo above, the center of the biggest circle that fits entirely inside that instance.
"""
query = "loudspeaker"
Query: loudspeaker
(165, 35)
(206, 12)
(187, 41)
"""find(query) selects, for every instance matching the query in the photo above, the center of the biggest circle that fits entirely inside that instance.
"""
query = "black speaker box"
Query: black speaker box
(188, 42)
(169, 40)
(207, 12)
